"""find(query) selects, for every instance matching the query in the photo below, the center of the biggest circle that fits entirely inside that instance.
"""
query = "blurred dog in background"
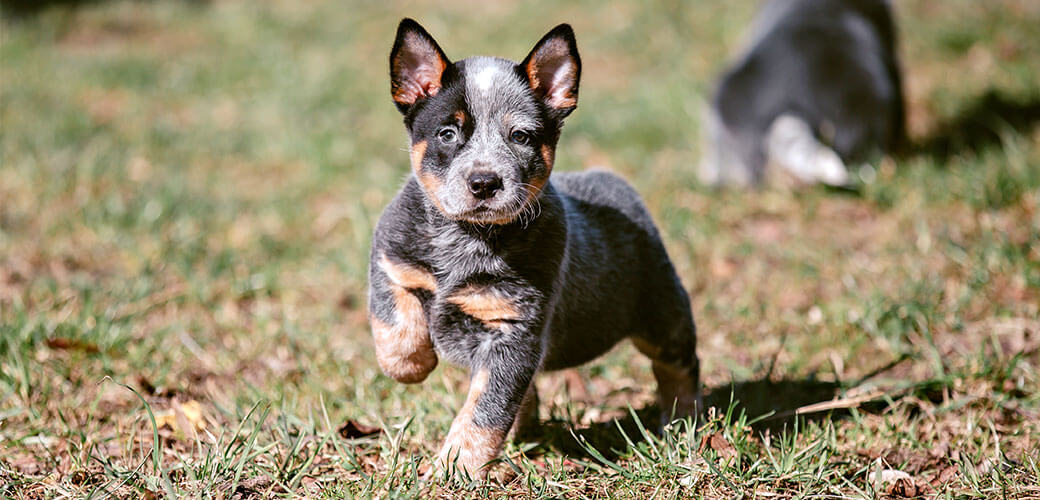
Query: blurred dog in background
(817, 91)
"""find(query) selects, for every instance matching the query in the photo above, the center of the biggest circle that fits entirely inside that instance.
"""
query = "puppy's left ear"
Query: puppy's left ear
(553, 70)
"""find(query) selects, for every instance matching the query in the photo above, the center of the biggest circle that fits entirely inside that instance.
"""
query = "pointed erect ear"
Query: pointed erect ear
(416, 65)
(553, 69)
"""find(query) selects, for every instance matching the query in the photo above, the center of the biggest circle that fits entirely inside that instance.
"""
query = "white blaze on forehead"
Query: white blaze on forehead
(486, 77)
(495, 91)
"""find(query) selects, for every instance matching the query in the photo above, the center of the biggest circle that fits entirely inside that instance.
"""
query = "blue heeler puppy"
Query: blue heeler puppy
(818, 89)
(482, 260)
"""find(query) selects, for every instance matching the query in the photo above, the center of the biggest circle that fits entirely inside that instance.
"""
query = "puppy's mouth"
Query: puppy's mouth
(514, 203)
(483, 214)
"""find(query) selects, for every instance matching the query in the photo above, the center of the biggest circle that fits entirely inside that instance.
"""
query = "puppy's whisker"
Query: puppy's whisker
(531, 207)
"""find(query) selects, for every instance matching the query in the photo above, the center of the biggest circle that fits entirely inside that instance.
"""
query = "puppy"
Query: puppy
(818, 90)
(481, 260)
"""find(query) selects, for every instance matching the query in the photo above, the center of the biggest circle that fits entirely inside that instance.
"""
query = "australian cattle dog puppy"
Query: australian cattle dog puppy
(817, 91)
(484, 261)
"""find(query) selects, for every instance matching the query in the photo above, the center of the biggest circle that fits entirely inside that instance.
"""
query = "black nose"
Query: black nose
(484, 185)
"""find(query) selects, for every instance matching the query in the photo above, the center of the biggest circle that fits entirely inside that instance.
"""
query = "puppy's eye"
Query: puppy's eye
(520, 137)
(447, 135)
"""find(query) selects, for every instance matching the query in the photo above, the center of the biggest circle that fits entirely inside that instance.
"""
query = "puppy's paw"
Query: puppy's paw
(405, 354)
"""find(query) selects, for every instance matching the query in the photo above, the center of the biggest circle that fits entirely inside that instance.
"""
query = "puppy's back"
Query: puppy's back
(601, 188)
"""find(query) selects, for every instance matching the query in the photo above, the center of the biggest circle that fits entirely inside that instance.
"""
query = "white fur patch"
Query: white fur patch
(793, 146)
(485, 78)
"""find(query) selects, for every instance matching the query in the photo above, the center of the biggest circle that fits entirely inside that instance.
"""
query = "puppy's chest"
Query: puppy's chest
(457, 257)
(476, 287)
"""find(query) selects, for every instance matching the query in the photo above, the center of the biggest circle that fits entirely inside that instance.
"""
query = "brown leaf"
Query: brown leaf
(26, 464)
(899, 484)
(902, 487)
(717, 442)
(944, 476)
(182, 418)
(254, 487)
(348, 301)
(352, 429)
(64, 344)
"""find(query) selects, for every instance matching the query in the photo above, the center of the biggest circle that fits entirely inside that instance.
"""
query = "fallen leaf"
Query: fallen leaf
(182, 418)
(64, 344)
(944, 476)
(146, 385)
(718, 442)
(899, 484)
(26, 465)
(902, 487)
(254, 487)
(576, 385)
(355, 430)
(424, 468)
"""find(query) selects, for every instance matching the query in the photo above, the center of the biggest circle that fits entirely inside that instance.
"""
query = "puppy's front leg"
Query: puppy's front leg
(398, 292)
(505, 354)
(479, 431)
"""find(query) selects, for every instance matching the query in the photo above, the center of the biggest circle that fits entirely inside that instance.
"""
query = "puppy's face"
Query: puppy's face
(483, 129)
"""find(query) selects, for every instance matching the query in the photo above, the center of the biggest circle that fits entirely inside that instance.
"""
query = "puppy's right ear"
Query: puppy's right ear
(416, 65)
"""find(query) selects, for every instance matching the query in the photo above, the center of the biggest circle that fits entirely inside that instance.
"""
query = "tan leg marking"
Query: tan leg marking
(677, 390)
(406, 276)
(648, 349)
(486, 305)
(469, 447)
(404, 349)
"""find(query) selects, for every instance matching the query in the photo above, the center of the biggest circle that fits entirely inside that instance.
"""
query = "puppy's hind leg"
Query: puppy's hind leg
(673, 356)
(526, 424)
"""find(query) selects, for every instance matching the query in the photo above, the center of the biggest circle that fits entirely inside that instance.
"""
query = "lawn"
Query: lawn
(188, 190)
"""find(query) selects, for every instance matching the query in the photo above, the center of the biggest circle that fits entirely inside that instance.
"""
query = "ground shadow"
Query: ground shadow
(775, 401)
(980, 124)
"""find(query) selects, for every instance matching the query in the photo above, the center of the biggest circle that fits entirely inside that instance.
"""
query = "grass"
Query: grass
(187, 192)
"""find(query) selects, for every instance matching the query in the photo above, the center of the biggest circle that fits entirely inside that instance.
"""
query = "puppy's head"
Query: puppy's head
(483, 129)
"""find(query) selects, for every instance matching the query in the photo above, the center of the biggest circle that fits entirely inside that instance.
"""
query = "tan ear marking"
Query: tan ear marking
(418, 66)
(553, 74)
